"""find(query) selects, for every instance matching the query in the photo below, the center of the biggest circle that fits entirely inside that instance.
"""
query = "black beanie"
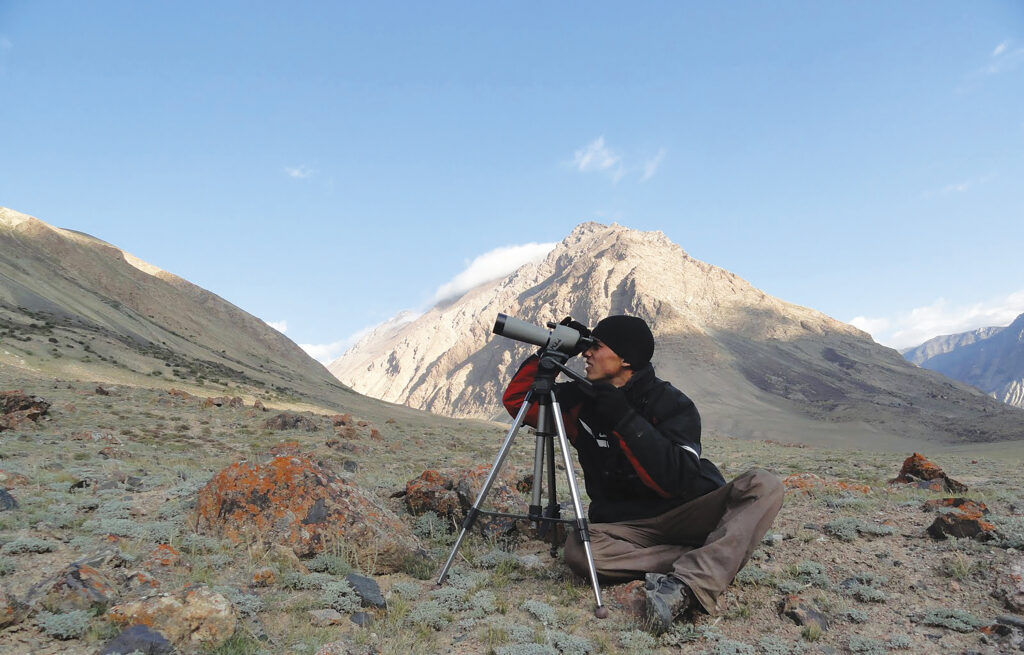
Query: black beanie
(629, 337)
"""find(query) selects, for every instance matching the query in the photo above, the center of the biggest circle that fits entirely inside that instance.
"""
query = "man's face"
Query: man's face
(603, 365)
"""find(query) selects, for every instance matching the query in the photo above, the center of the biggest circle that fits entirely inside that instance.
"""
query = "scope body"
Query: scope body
(561, 338)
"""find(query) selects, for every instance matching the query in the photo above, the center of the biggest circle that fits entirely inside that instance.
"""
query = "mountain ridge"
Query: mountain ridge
(757, 366)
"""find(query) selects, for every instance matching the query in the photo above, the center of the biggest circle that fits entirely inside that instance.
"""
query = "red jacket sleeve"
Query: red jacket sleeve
(519, 387)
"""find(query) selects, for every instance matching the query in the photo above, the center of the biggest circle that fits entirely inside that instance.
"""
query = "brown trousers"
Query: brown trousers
(704, 542)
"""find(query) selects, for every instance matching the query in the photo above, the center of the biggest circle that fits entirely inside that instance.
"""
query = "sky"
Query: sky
(326, 165)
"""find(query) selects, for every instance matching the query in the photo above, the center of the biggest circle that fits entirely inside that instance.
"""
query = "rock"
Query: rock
(7, 501)
(290, 448)
(138, 638)
(434, 492)
(100, 391)
(79, 586)
(287, 421)
(295, 502)
(630, 597)
(9, 480)
(16, 407)
(794, 608)
(264, 577)
(362, 619)
(350, 466)
(325, 617)
(178, 393)
(964, 518)
(194, 617)
(258, 405)
(12, 610)
(163, 556)
(222, 401)
(367, 590)
(345, 648)
(1010, 586)
(917, 469)
(449, 493)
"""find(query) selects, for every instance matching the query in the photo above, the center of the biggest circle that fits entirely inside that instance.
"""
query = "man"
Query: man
(658, 510)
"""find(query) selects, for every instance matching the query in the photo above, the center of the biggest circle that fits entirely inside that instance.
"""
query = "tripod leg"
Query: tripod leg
(471, 515)
(536, 511)
(581, 522)
(553, 510)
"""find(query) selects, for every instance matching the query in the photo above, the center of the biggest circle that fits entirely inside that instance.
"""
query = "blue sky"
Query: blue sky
(326, 165)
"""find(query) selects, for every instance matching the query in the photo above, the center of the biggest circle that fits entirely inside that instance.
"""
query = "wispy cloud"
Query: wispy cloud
(1004, 58)
(959, 187)
(325, 353)
(651, 165)
(941, 317)
(299, 172)
(5, 43)
(598, 157)
(490, 266)
(280, 326)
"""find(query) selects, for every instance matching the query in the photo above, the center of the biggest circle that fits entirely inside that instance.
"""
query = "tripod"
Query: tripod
(549, 415)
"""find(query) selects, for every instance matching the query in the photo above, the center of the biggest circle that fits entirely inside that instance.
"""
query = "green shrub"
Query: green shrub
(636, 641)
(339, 595)
(957, 620)
(26, 545)
(429, 613)
(541, 611)
(68, 625)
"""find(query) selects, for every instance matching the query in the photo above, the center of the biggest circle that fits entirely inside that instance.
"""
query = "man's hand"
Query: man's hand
(610, 403)
(584, 331)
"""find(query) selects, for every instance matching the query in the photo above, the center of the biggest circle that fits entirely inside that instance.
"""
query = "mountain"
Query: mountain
(991, 359)
(75, 306)
(946, 343)
(756, 366)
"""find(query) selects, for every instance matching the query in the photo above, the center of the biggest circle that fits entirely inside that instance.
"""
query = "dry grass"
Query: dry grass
(876, 587)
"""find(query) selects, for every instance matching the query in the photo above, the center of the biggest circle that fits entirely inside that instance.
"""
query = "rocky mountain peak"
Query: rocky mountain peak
(755, 364)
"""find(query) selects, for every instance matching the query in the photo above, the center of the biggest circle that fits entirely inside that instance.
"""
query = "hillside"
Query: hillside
(757, 367)
(75, 306)
(991, 359)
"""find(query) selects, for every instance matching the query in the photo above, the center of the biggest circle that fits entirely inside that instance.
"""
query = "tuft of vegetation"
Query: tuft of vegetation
(64, 625)
(953, 619)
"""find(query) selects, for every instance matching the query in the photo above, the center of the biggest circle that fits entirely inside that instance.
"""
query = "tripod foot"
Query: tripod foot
(601, 612)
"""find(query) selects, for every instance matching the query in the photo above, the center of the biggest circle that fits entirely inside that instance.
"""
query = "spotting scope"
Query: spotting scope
(558, 337)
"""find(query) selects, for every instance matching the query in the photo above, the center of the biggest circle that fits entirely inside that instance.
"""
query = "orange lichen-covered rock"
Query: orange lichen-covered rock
(295, 502)
(194, 617)
(960, 517)
(917, 469)
(164, 555)
(16, 407)
(449, 493)
(79, 586)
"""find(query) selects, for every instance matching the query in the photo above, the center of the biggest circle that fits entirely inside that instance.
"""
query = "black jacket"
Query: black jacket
(644, 465)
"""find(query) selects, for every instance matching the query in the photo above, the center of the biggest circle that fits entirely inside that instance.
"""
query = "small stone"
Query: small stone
(801, 613)
(367, 590)
(774, 539)
(7, 501)
(325, 617)
(138, 638)
(362, 619)
(264, 577)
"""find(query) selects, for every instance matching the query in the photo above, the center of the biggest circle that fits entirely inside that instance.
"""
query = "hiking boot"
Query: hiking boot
(667, 598)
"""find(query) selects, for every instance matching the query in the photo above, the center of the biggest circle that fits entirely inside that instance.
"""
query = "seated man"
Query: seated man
(658, 510)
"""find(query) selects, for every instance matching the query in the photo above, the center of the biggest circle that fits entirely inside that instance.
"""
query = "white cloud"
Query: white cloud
(941, 317)
(595, 157)
(491, 266)
(299, 172)
(5, 43)
(1003, 59)
(280, 326)
(325, 353)
(651, 165)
